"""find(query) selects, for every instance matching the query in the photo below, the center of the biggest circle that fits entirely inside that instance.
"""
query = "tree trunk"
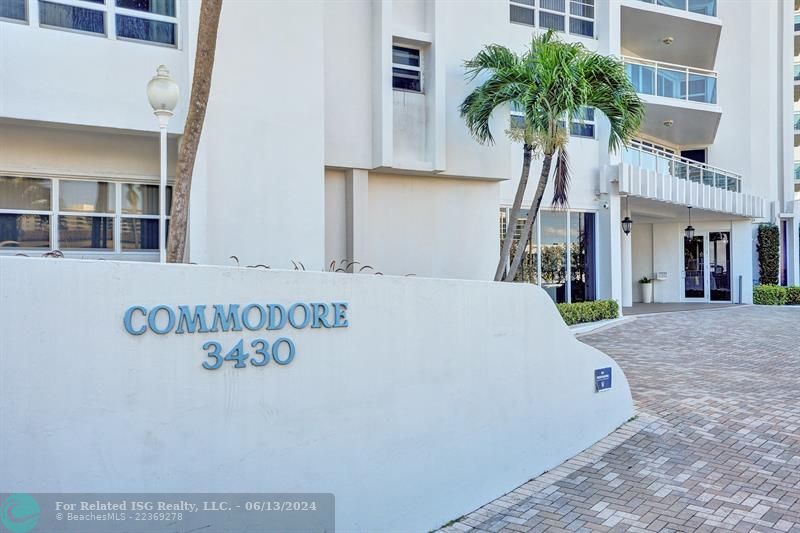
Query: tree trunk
(532, 214)
(201, 86)
(511, 223)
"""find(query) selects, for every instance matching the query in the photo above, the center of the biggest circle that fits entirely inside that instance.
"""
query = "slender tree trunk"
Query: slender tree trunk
(531, 218)
(511, 223)
(201, 86)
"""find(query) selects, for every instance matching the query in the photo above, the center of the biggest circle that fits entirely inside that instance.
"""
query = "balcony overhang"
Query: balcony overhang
(639, 182)
(691, 123)
(695, 38)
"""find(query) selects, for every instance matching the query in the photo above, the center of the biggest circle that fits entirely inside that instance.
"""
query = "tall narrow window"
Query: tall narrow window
(139, 224)
(581, 17)
(582, 255)
(552, 14)
(406, 69)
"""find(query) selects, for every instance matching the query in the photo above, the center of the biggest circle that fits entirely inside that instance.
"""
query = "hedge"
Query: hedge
(769, 295)
(581, 312)
(776, 295)
(769, 255)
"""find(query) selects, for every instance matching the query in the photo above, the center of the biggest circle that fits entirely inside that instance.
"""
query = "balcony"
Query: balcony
(672, 81)
(701, 7)
(682, 32)
(665, 163)
(681, 102)
(651, 173)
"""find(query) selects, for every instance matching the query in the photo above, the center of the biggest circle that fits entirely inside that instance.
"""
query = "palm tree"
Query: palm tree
(550, 83)
(198, 101)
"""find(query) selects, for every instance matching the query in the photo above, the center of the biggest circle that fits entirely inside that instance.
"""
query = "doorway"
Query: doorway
(707, 267)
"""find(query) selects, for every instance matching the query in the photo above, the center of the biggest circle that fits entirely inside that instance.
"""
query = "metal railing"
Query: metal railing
(702, 7)
(672, 81)
(651, 158)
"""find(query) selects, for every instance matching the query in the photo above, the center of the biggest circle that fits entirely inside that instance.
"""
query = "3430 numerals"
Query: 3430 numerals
(281, 351)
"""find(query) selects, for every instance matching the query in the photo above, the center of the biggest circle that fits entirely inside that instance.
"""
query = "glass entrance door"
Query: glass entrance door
(694, 267)
(719, 265)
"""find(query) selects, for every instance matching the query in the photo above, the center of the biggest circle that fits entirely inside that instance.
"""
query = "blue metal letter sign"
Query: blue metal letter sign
(602, 379)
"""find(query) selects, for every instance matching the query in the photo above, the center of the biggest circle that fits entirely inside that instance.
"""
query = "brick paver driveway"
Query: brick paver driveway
(715, 445)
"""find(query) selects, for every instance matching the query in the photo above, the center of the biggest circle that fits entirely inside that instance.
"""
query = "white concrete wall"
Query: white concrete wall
(438, 397)
(66, 77)
(439, 227)
(264, 137)
(642, 255)
(90, 152)
(335, 217)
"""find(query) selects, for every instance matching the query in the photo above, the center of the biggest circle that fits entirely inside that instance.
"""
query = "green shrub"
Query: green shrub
(769, 253)
(793, 295)
(581, 312)
(770, 295)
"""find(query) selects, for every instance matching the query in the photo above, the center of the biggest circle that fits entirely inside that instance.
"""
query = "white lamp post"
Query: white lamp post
(162, 91)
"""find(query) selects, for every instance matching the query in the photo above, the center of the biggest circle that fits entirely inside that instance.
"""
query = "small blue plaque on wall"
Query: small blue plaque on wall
(602, 379)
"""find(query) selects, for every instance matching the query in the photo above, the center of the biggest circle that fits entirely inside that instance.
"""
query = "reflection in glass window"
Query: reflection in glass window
(13, 9)
(24, 231)
(554, 254)
(159, 7)
(71, 17)
(582, 259)
(528, 271)
(31, 194)
(155, 31)
(86, 196)
(139, 233)
(76, 232)
(138, 199)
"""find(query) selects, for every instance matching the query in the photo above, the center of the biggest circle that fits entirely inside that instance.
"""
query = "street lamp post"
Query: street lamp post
(162, 92)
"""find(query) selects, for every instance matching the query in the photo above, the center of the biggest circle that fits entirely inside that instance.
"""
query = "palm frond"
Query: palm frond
(561, 179)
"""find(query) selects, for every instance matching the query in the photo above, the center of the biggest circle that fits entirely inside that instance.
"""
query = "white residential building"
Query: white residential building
(333, 133)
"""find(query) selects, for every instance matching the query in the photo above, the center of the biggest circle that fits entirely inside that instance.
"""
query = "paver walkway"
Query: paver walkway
(715, 445)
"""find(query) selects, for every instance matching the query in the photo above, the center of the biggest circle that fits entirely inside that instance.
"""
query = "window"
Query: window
(150, 21)
(566, 277)
(553, 14)
(24, 212)
(406, 69)
(582, 124)
(147, 20)
(14, 10)
(517, 116)
(522, 12)
(86, 215)
(72, 17)
(79, 215)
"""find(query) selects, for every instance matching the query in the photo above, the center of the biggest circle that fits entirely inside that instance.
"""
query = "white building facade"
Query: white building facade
(333, 134)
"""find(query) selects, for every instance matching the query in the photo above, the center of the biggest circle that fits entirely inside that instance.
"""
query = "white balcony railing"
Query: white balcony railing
(651, 158)
(672, 81)
(702, 7)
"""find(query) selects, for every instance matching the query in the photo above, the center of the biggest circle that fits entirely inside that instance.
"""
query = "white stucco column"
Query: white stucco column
(356, 213)
(609, 253)
(626, 268)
